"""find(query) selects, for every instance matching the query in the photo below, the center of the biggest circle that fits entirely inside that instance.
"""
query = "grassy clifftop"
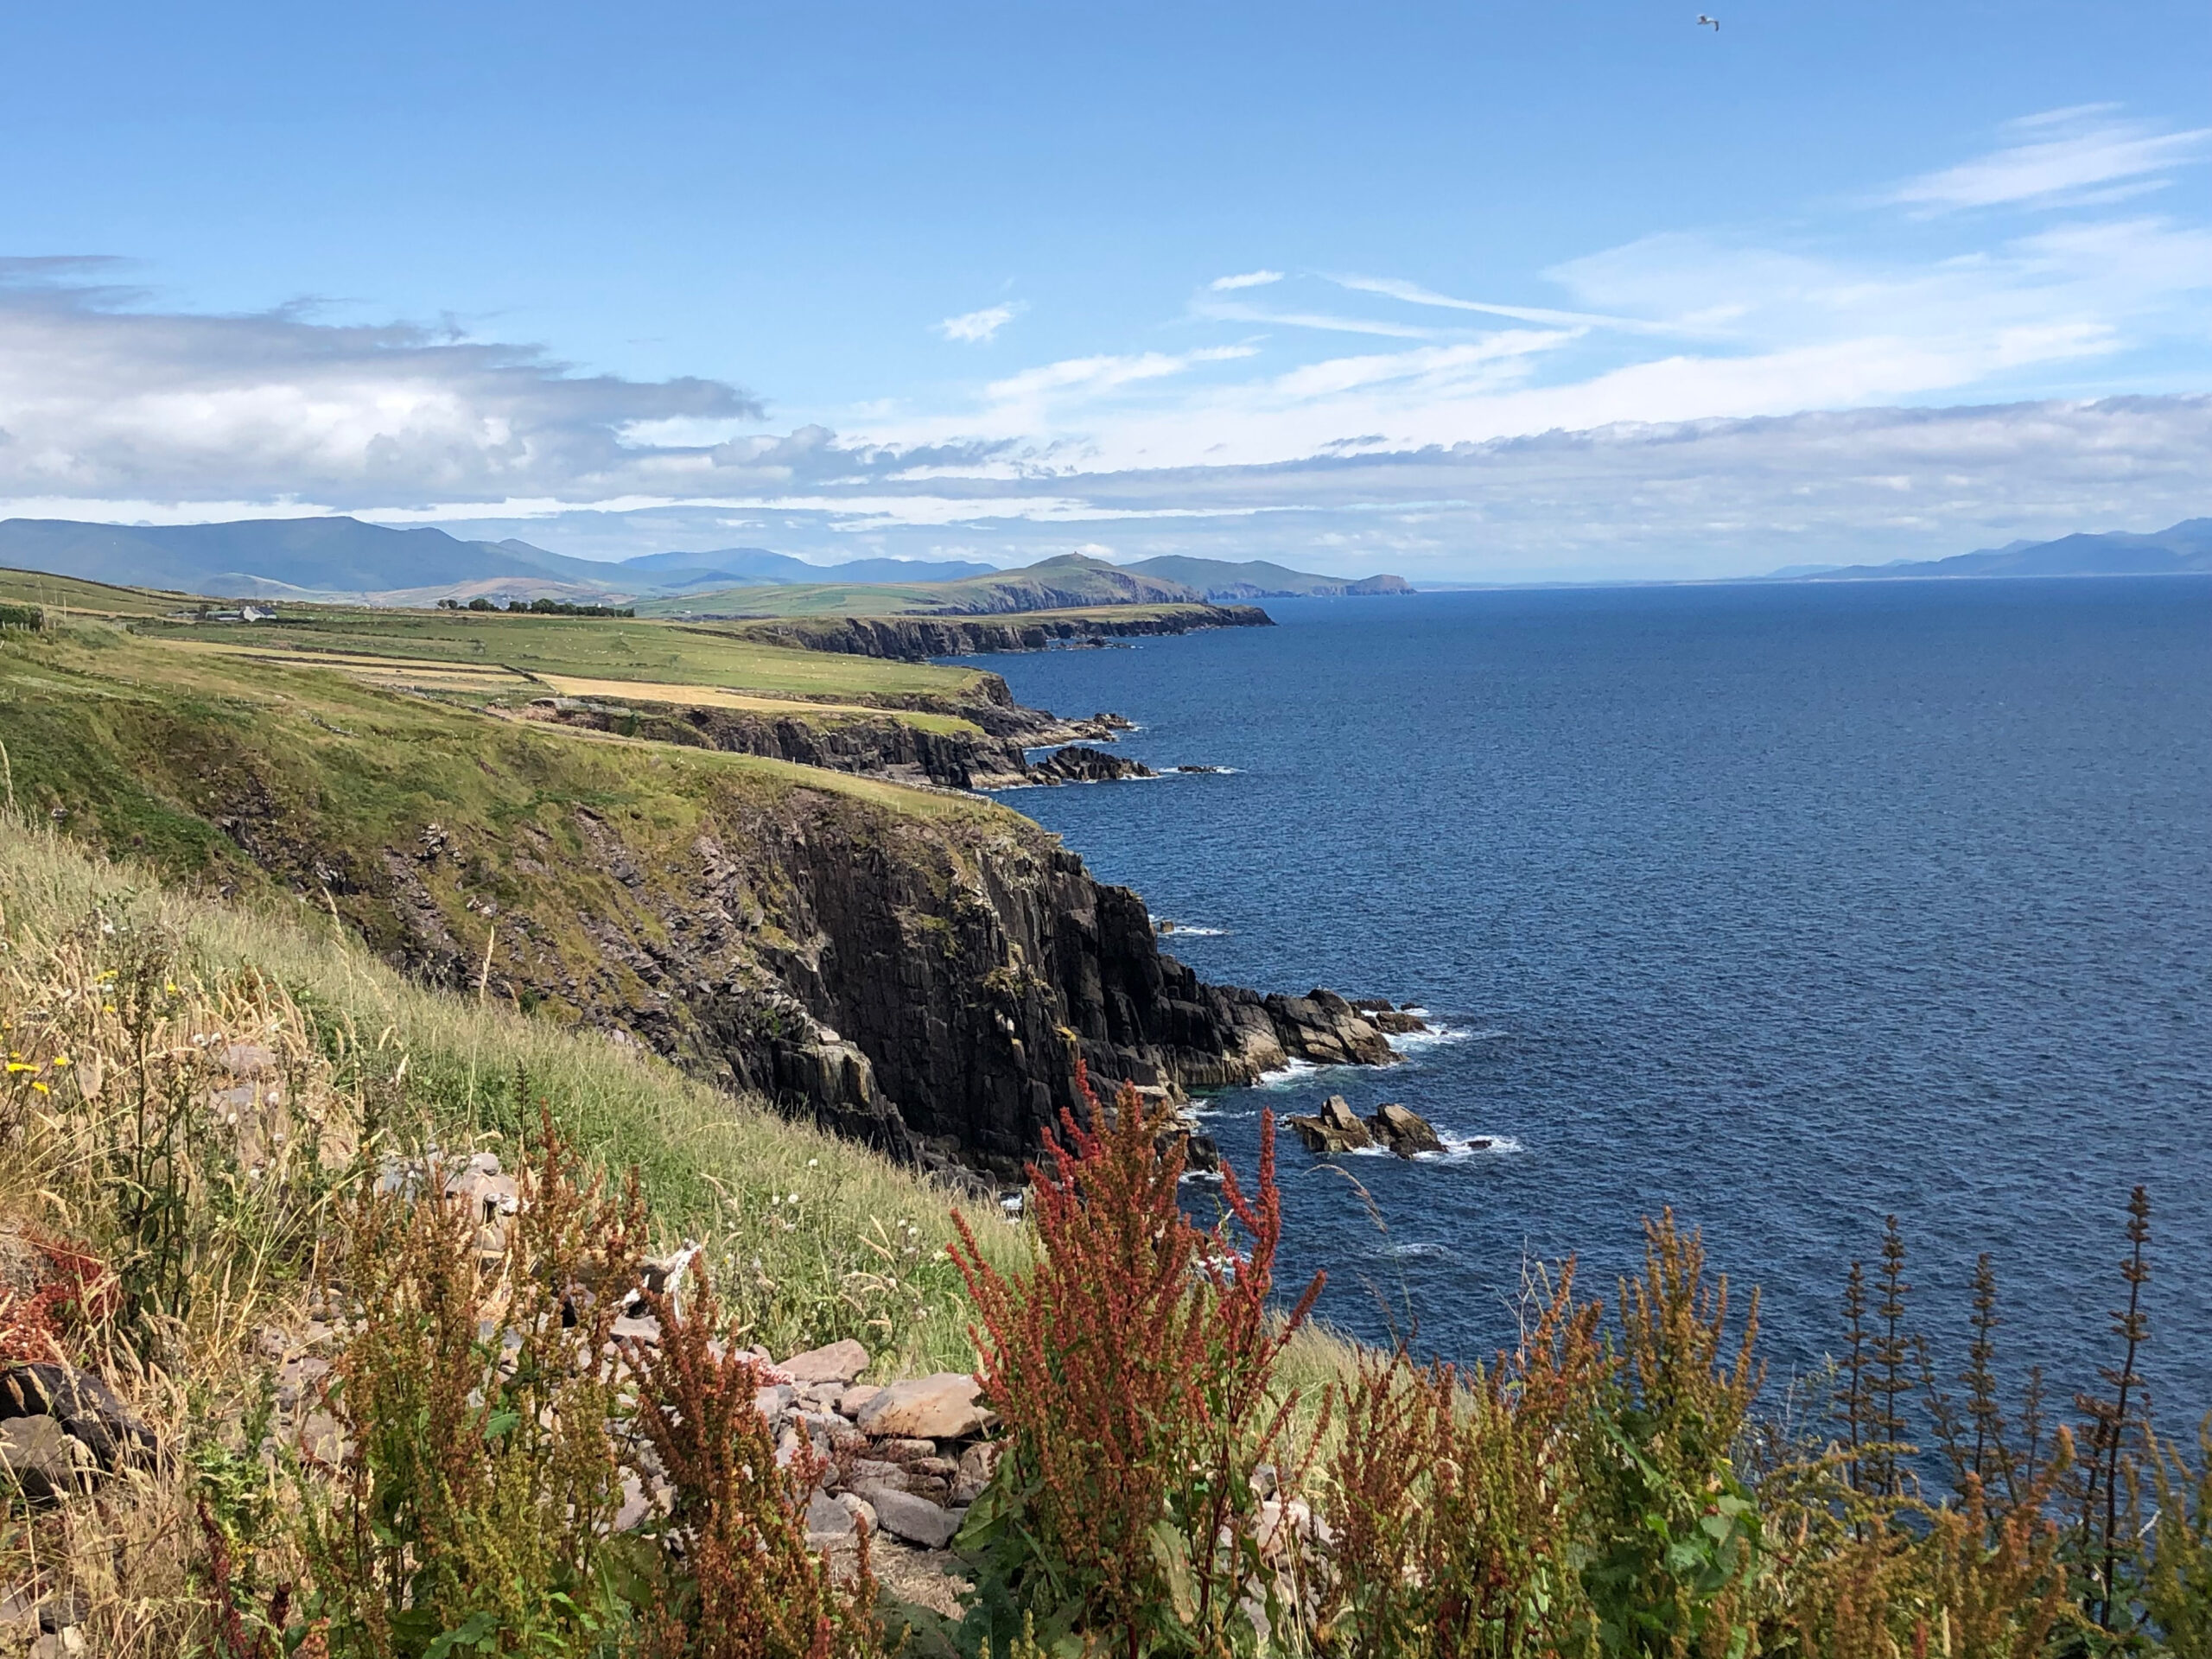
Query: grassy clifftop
(265, 768)
(918, 968)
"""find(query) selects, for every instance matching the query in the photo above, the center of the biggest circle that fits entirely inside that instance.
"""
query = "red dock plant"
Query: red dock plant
(1133, 1367)
(737, 1580)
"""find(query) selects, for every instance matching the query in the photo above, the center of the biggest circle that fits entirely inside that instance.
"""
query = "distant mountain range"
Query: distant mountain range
(1226, 583)
(301, 558)
(742, 567)
(2181, 549)
(345, 558)
(1069, 582)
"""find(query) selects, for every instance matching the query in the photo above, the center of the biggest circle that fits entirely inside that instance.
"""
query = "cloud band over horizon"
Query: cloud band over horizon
(1703, 402)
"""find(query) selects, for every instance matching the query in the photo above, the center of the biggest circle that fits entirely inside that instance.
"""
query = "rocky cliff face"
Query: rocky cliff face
(918, 968)
(873, 746)
(925, 982)
(915, 638)
(929, 990)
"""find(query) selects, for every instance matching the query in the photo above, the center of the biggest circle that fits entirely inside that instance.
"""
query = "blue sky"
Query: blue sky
(1463, 291)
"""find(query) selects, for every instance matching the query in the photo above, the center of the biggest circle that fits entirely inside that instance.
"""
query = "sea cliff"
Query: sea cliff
(920, 969)
(914, 639)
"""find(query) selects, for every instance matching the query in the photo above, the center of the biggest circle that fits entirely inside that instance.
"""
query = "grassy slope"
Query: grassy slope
(590, 648)
(1204, 575)
(68, 592)
(858, 1254)
(141, 745)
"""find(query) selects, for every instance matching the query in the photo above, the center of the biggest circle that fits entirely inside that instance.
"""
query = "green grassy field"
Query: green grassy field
(588, 647)
(852, 1246)
(151, 744)
(132, 733)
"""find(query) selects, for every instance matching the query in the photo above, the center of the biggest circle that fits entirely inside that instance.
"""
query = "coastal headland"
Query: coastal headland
(747, 847)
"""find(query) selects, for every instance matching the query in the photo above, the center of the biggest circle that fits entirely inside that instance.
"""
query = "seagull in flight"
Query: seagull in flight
(1704, 22)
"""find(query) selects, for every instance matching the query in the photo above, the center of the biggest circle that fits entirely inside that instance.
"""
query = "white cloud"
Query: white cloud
(103, 395)
(2067, 155)
(979, 327)
(1656, 414)
(1415, 293)
(1323, 321)
(1680, 499)
(1103, 374)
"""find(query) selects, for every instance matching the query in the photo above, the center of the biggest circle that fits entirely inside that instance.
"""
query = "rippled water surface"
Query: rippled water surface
(1789, 906)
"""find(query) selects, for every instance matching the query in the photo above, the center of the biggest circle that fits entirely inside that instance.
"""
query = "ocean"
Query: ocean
(1792, 906)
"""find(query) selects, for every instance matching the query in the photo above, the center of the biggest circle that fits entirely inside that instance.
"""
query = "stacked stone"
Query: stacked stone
(904, 1458)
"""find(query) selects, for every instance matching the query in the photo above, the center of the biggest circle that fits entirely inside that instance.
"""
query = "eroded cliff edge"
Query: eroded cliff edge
(924, 984)
(918, 970)
(916, 638)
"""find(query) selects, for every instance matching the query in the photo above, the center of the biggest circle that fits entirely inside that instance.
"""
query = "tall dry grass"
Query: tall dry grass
(196, 1092)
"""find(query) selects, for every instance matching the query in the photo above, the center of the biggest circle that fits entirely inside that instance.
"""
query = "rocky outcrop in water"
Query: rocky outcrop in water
(1335, 1127)
(1079, 764)
(1407, 1133)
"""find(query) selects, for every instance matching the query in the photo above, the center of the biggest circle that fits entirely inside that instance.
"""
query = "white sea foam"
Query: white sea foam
(1192, 930)
(1420, 1248)
(1291, 1071)
(1460, 1149)
(1415, 1042)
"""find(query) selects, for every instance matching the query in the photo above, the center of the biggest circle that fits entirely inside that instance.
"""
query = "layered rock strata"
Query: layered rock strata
(917, 639)
(924, 981)
(996, 756)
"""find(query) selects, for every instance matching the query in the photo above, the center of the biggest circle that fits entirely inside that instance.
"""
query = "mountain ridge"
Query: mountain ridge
(339, 556)
(1221, 580)
(2183, 548)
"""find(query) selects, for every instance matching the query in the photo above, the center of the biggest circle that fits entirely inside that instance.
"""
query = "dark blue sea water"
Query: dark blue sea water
(1790, 907)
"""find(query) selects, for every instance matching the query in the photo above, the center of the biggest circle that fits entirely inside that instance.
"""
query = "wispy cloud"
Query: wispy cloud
(1680, 499)
(1415, 293)
(1249, 279)
(1104, 374)
(979, 327)
(1324, 322)
(1655, 418)
(2071, 155)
